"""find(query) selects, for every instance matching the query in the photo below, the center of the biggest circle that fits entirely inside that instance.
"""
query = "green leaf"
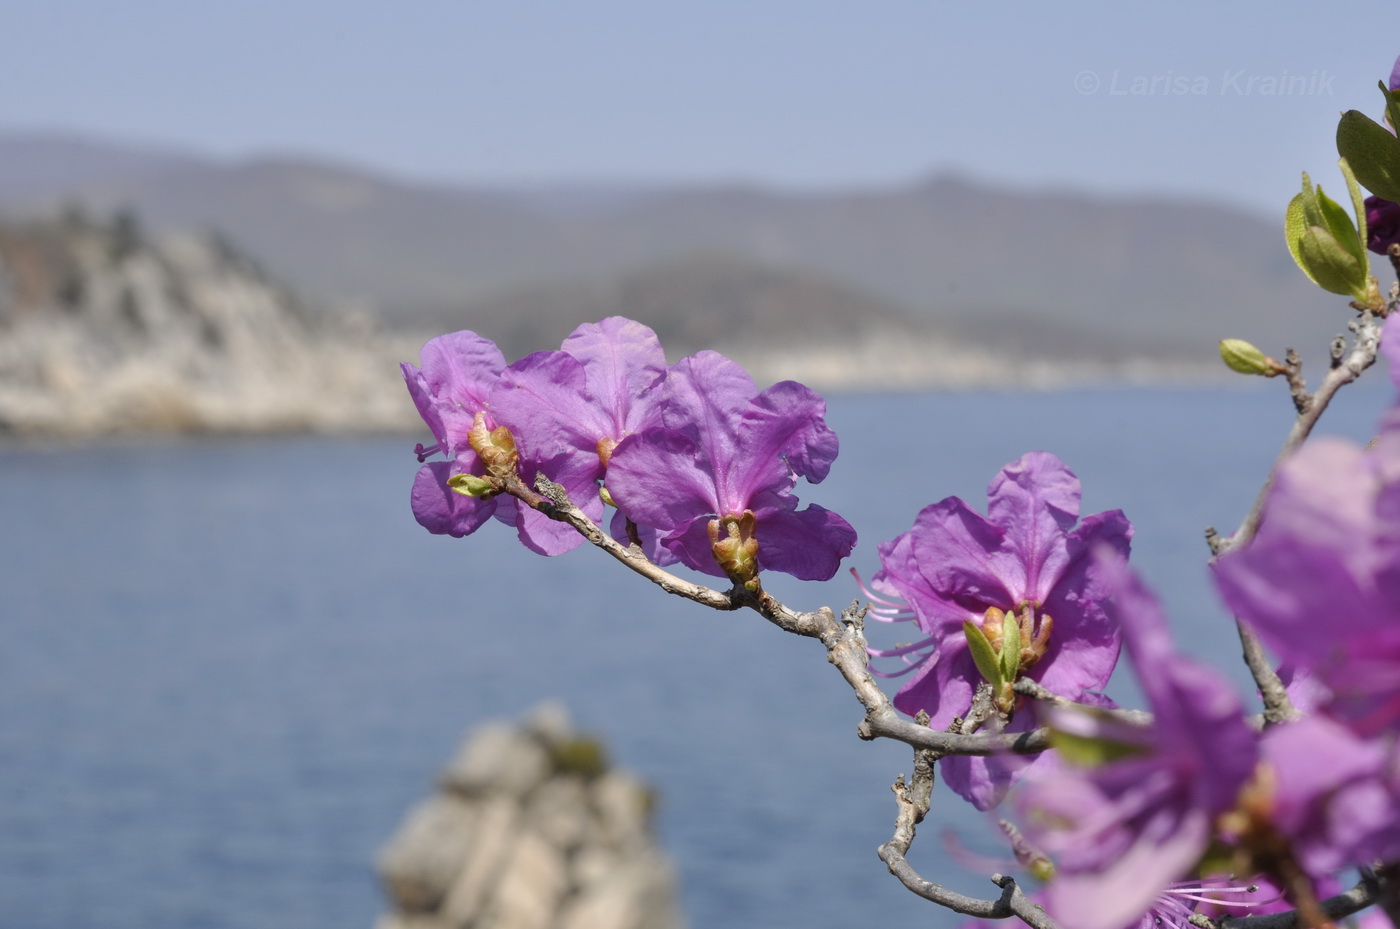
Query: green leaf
(1372, 152)
(1343, 230)
(1010, 647)
(1294, 225)
(983, 653)
(1089, 752)
(1331, 266)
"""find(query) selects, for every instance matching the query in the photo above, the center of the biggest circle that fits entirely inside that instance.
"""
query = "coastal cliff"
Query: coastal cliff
(105, 331)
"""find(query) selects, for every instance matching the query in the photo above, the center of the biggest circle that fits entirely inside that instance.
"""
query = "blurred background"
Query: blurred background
(228, 658)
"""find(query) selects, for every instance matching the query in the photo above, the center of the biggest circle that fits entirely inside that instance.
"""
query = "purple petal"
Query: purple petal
(650, 538)
(808, 544)
(788, 420)
(691, 546)
(707, 396)
(1035, 499)
(624, 361)
(543, 400)
(1337, 814)
(1309, 559)
(1085, 642)
(441, 510)
(1198, 720)
(455, 381)
(1166, 848)
(658, 479)
(965, 560)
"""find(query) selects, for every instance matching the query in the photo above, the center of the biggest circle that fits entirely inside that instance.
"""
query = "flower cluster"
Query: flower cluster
(1132, 811)
(1020, 613)
(700, 465)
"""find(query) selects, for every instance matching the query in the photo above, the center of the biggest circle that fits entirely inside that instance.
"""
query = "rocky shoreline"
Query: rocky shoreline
(104, 332)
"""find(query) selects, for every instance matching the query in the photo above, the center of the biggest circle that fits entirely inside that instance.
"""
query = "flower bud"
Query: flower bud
(1243, 357)
(495, 447)
(471, 485)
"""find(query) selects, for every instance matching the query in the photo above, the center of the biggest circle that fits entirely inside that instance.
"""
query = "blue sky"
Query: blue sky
(1180, 98)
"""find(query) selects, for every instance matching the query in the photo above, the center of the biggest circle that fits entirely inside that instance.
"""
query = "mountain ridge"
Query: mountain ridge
(1160, 276)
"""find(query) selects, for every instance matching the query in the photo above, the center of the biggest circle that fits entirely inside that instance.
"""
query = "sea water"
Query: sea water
(227, 668)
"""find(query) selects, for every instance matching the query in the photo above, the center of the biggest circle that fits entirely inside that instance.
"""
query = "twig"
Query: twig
(1348, 369)
(1345, 368)
(912, 801)
(844, 638)
(1278, 708)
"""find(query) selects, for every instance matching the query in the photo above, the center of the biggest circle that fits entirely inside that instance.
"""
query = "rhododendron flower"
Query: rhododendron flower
(1336, 815)
(715, 480)
(452, 387)
(1027, 553)
(1026, 558)
(1121, 832)
(1321, 579)
(575, 405)
(453, 391)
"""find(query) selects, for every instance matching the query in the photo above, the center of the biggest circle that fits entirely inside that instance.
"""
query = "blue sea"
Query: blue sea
(227, 668)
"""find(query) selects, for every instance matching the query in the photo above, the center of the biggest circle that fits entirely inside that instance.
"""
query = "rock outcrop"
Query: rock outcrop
(530, 828)
(104, 331)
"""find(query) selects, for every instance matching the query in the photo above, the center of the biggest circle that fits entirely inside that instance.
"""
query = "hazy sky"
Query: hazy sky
(1222, 99)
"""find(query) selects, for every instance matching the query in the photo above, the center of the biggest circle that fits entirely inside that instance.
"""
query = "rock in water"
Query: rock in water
(530, 828)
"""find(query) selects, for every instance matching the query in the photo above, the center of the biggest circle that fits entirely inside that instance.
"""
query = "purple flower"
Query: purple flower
(453, 391)
(1321, 579)
(573, 406)
(459, 371)
(1122, 832)
(1026, 558)
(1382, 224)
(715, 479)
(1339, 814)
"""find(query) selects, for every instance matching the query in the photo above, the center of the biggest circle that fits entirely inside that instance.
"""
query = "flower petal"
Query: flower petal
(808, 544)
(1035, 500)
(441, 510)
(624, 361)
(659, 479)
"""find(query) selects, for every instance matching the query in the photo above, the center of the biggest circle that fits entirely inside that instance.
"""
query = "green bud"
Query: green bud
(983, 654)
(470, 485)
(606, 497)
(1010, 647)
(1243, 357)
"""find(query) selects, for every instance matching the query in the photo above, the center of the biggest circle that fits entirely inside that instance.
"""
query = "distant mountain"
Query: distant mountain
(1056, 273)
(105, 330)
